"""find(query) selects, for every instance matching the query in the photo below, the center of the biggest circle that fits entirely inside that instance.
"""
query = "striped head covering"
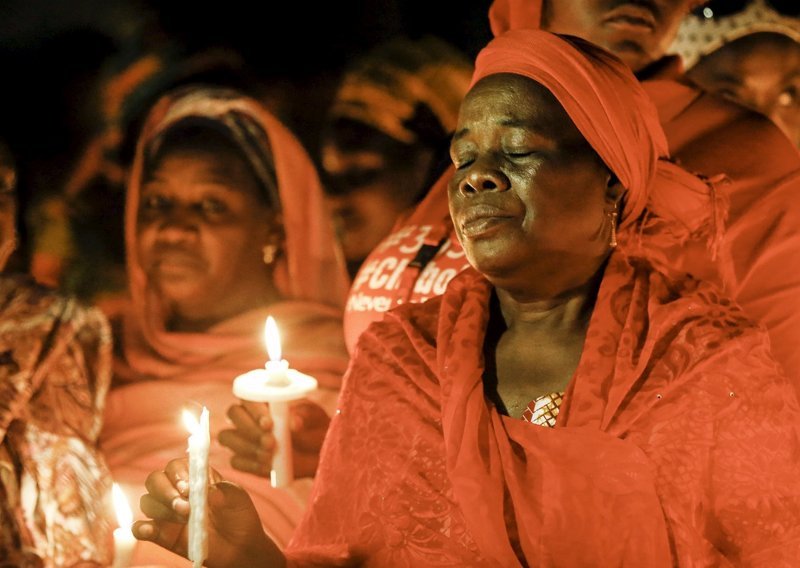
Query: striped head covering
(385, 88)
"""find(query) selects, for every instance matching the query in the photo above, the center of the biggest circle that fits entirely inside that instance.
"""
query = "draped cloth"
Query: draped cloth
(55, 487)
(158, 373)
(759, 251)
(677, 442)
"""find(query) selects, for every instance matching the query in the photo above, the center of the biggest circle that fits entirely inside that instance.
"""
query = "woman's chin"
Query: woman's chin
(180, 292)
(490, 264)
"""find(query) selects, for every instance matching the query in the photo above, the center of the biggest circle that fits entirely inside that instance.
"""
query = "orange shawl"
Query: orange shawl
(759, 260)
(157, 373)
(677, 443)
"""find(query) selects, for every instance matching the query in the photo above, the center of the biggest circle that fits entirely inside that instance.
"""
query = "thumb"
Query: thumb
(234, 516)
(228, 498)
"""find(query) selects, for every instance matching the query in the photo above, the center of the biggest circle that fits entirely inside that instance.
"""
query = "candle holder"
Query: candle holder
(277, 385)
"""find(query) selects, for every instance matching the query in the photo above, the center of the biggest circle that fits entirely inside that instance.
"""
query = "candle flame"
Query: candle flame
(190, 422)
(121, 507)
(272, 339)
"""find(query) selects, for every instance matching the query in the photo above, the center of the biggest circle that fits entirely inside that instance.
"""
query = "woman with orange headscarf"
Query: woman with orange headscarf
(225, 225)
(565, 402)
(754, 164)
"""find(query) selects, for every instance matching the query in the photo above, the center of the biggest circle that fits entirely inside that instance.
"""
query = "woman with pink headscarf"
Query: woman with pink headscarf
(565, 402)
(225, 225)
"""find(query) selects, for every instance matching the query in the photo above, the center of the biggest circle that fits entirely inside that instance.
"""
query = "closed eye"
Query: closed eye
(461, 164)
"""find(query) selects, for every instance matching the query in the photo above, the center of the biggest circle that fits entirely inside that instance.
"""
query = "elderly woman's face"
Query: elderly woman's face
(200, 232)
(529, 192)
(760, 71)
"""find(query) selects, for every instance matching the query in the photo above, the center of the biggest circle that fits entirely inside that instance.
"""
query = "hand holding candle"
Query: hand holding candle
(124, 541)
(199, 443)
(278, 385)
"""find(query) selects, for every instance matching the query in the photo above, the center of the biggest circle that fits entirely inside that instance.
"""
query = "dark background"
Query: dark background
(51, 52)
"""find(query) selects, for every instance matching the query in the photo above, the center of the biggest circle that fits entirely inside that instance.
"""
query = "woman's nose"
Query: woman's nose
(178, 222)
(483, 178)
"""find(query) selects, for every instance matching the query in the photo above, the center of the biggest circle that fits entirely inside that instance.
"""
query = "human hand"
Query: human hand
(309, 425)
(251, 437)
(235, 535)
(253, 443)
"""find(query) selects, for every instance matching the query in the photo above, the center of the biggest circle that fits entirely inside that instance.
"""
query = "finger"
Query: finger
(244, 422)
(232, 508)
(177, 472)
(175, 512)
(241, 445)
(260, 413)
(261, 468)
(162, 488)
(309, 440)
(305, 464)
(306, 415)
(167, 535)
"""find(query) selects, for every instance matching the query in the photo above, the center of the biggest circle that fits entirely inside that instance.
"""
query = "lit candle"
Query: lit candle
(199, 443)
(277, 368)
(278, 385)
(124, 541)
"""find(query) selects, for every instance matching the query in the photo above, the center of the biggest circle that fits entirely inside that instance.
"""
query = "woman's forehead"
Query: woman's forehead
(514, 100)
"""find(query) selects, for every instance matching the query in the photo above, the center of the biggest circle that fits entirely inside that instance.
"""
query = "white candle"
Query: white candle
(199, 443)
(278, 385)
(124, 541)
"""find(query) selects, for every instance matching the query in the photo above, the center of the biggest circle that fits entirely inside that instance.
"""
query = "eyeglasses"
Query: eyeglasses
(724, 8)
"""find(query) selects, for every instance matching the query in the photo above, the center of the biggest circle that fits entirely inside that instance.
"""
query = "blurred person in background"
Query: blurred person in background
(385, 135)
(225, 225)
(77, 237)
(55, 370)
(747, 51)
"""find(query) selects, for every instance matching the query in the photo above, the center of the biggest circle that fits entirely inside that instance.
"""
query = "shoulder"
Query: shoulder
(728, 131)
(688, 302)
(405, 326)
(701, 327)
(28, 305)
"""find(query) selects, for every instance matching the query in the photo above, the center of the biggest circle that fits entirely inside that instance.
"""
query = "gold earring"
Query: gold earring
(613, 218)
(269, 252)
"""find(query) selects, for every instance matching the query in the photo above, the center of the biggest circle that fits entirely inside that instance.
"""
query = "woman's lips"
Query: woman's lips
(480, 220)
(176, 264)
